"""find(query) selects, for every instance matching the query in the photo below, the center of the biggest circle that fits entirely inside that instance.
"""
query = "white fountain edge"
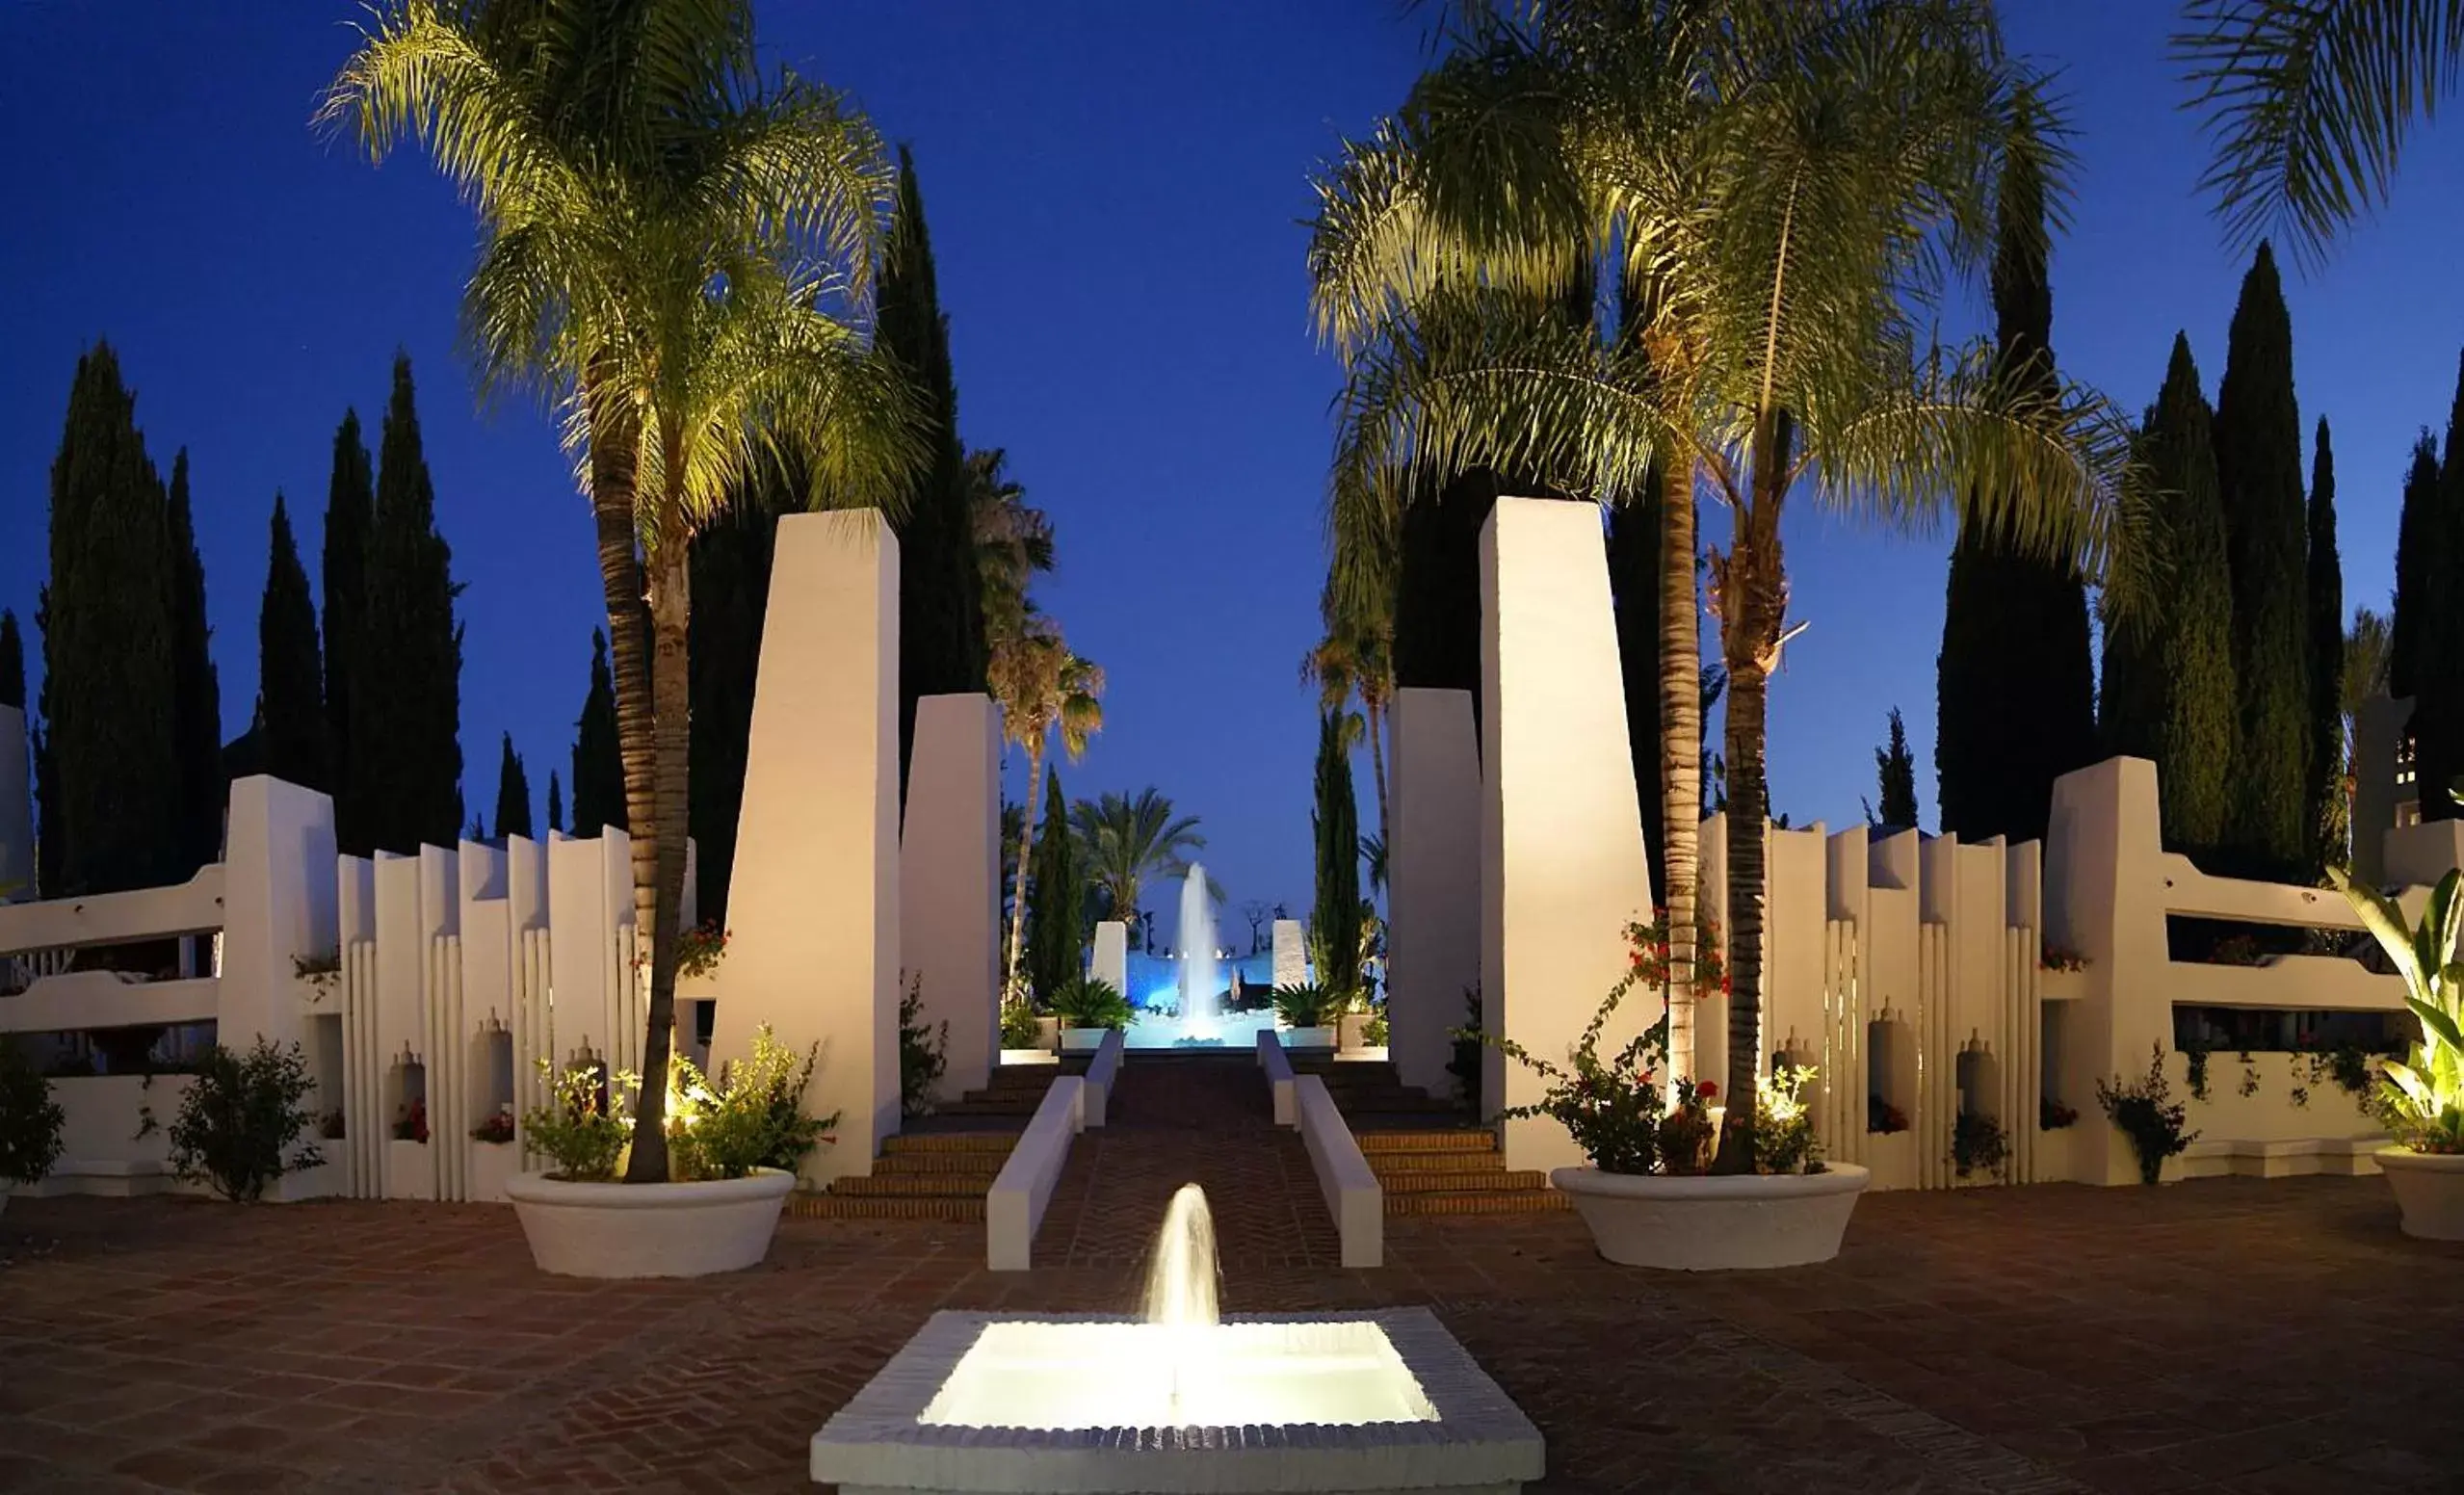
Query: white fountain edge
(1481, 1437)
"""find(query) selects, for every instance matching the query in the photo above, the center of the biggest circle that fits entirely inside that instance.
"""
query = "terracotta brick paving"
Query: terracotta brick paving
(2223, 1336)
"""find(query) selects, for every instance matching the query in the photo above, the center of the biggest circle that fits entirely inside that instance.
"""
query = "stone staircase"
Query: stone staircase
(1427, 1159)
(1015, 1090)
(926, 1175)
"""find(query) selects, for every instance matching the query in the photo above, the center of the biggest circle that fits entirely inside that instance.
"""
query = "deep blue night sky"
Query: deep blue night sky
(1115, 192)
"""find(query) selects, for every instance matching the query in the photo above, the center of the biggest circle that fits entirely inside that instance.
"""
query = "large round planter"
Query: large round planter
(1722, 1223)
(648, 1231)
(2429, 1188)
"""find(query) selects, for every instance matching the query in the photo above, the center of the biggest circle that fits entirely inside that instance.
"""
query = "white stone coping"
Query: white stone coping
(1835, 1178)
(1480, 1439)
(538, 1188)
(1352, 1193)
(1278, 1067)
(1014, 1207)
(1103, 1072)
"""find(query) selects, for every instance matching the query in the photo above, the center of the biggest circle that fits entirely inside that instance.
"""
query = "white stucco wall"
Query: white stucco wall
(1433, 881)
(949, 881)
(1563, 866)
(1291, 953)
(1111, 962)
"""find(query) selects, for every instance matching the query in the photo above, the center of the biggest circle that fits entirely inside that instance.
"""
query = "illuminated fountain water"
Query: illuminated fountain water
(1199, 976)
(1180, 1399)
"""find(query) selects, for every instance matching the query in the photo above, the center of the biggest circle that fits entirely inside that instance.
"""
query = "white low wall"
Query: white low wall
(1353, 1195)
(1103, 1072)
(1014, 1207)
(1278, 1067)
(100, 1151)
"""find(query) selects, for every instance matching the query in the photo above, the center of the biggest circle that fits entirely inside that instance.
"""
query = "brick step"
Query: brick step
(854, 1206)
(990, 1106)
(1456, 1160)
(1470, 1181)
(916, 1185)
(1483, 1201)
(949, 1141)
(1392, 1103)
(1432, 1140)
(940, 1164)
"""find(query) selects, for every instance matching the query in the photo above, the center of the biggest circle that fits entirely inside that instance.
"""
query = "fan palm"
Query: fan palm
(2309, 102)
(1012, 540)
(1357, 659)
(1041, 686)
(1788, 188)
(1128, 841)
(661, 232)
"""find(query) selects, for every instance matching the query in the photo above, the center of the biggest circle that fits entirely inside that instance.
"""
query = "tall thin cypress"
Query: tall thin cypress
(1055, 897)
(2168, 691)
(1334, 918)
(598, 763)
(108, 767)
(409, 732)
(2015, 691)
(2438, 656)
(196, 696)
(513, 793)
(2417, 554)
(2258, 463)
(731, 560)
(1894, 769)
(291, 714)
(2325, 628)
(555, 803)
(351, 502)
(13, 662)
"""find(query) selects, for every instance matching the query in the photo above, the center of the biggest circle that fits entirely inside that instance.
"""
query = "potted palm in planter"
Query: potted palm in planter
(30, 1122)
(1647, 1194)
(1303, 1010)
(1089, 1008)
(2423, 1100)
(733, 1151)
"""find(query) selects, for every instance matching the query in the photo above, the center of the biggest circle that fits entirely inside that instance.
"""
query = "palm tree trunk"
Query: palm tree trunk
(671, 689)
(616, 439)
(1026, 845)
(1754, 598)
(1680, 755)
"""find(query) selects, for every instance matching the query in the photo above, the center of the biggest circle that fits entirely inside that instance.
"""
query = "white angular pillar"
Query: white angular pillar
(949, 881)
(1112, 954)
(16, 810)
(814, 898)
(1563, 867)
(1291, 953)
(278, 906)
(1432, 881)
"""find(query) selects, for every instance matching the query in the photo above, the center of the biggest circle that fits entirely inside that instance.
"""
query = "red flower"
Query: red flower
(1706, 1090)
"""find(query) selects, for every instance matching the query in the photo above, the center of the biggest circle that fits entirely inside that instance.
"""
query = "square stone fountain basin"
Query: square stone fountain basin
(1356, 1404)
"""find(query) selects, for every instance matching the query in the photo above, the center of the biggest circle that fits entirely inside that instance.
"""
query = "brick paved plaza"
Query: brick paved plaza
(2223, 1336)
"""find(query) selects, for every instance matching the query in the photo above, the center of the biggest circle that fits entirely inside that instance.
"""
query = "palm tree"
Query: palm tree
(1041, 685)
(1789, 186)
(1357, 659)
(1129, 841)
(2309, 103)
(660, 230)
(1013, 542)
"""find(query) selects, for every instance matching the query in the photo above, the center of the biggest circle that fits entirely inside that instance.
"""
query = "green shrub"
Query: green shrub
(1784, 1139)
(924, 1053)
(1306, 1005)
(753, 1119)
(236, 1126)
(2145, 1111)
(1977, 1144)
(1018, 1029)
(1611, 1106)
(1089, 1002)
(30, 1120)
(586, 1122)
(1467, 1062)
(2422, 1101)
(1374, 1032)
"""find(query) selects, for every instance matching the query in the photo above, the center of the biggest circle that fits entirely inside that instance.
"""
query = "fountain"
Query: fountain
(1180, 1399)
(1197, 938)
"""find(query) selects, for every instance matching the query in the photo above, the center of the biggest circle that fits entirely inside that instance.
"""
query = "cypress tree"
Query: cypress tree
(2168, 691)
(109, 769)
(598, 764)
(350, 502)
(2015, 693)
(1634, 588)
(1056, 898)
(1896, 768)
(196, 700)
(941, 640)
(409, 733)
(2325, 628)
(2437, 663)
(731, 559)
(2258, 463)
(291, 716)
(13, 662)
(512, 794)
(555, 803)
(1334, 919)
(2415, 595)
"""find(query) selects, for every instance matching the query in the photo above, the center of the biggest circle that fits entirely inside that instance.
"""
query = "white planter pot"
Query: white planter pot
(648, 1231)
(1716, 1223)
(2429, 1188)
(1081, 1040)
(1349, 1029)
(1309, 1037)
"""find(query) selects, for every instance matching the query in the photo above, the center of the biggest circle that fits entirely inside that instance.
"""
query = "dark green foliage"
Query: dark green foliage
(2015, 693)
(2258, 463)
(291, 709)
(1334, 919)
(2438, 660)
(2168, 691)
(598, 765)
(2145, 1111)
(237, 1125)
(731, 560)
(30, 1120)
(555, 801)
(1056, 899)
(1898, 768)
(351, 505)
(2417, 555)
(197, 698)
(924, 1052)
(13, 662)
(1634, 588)
(109, 769)
(2325, 628)
(1438, 595)
(405, 720)
(941, 636)
(513, 793)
